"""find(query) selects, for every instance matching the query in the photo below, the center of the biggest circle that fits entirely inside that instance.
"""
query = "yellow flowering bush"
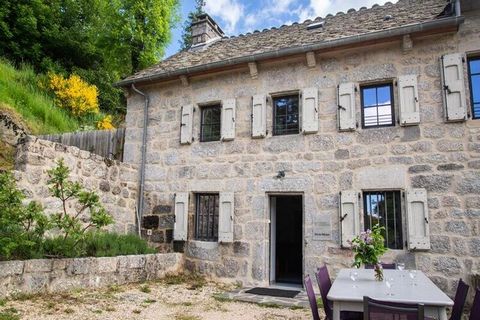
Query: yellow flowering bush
(105, 123)
(74, 94)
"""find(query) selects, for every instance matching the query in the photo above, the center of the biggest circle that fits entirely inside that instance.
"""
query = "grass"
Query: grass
(186, 317)
(20, 89)
(194, 281)
(9, 314)
(105, 244)
(145, 289)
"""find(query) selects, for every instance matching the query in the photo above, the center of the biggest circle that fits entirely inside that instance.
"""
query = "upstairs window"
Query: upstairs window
(210, 123)
(206, 217)
(385, 208)
(377, 106)
(285, 115)
(474, 77)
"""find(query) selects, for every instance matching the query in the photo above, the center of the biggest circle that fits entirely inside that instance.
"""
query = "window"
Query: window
(206, 217)
(384, 208)
(210, 125)
(474, 76)
(377, 106)
(285, 115)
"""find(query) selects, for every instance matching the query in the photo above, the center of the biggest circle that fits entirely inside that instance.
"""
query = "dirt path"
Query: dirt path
(153, 300)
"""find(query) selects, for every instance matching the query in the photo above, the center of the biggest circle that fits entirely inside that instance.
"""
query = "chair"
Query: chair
(459, 302)
(381, 310)
(391, 266)
(311, 297)
(475, 311)
(324, 283)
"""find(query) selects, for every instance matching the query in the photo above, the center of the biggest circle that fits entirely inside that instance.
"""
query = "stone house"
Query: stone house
(266, 152)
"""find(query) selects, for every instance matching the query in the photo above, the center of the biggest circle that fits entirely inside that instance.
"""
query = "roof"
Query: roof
(336, 27)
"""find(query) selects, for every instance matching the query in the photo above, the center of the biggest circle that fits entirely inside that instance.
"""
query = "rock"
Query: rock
(440, 244)
(321, 143)
(450, 167)
(419, 168)
(447, 265)
(341, 154)
(434, 182)
(469, 184)
(457, 227)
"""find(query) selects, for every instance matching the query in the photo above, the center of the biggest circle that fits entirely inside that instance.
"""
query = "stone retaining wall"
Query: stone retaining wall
(57, 275)
(114, 181)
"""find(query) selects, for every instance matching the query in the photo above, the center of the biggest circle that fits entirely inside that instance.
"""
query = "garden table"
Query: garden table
(347, 295)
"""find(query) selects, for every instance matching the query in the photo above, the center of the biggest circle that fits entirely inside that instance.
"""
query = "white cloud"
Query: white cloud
(280, 6)
(320, 8)
(229, 11)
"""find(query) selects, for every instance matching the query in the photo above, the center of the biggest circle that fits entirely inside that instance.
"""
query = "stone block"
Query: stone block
(107, 264)
(440, 244)
(159, 209)
(449, 266)
(10, 268)
(81, 266)
(450, 167)
(411, 133)
(321, 143)
(469, 184)
(241, 249)
(203, 250)
(38, 265)
(288, 143)
(419, 168)
(474, 245)
(434, 182)
(342, 154)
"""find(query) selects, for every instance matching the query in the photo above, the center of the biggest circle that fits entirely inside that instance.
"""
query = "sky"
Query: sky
(241, 16)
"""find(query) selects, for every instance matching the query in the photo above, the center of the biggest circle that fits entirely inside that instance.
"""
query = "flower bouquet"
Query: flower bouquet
(368, 248)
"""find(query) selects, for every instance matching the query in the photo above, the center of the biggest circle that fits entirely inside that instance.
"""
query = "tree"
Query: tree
(186, 41)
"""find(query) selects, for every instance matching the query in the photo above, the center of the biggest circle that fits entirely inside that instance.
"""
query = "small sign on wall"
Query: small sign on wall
(322, 228)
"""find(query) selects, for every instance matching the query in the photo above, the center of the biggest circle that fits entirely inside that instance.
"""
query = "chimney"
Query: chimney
(205, 30)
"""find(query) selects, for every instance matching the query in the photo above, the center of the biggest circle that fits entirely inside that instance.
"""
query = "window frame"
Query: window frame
(281, 96)
(202, 124)
(392, 102)
(198, 235)
(397, 194)
(470, 84)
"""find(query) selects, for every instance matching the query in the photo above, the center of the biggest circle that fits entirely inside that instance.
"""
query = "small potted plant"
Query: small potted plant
(368, 247)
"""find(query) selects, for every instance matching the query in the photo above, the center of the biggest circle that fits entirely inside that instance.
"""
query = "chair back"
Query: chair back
(381, 310)
(311, 297)
(324, 283)
(459, 302)
(475, 311)
(390, 266)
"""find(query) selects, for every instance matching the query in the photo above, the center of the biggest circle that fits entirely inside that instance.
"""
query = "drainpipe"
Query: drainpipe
(458, 10)
(141, 185)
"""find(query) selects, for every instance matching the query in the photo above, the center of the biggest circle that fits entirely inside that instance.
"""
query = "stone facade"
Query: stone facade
(115, 182)
(58, 275)
(442, 157)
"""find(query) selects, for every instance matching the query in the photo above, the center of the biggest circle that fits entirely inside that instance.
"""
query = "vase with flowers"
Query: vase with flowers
(368, 247)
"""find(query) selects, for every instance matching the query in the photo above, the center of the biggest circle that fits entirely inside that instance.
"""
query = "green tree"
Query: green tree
(186, 41)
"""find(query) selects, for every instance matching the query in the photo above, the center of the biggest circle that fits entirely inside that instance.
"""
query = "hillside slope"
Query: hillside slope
(20, 91)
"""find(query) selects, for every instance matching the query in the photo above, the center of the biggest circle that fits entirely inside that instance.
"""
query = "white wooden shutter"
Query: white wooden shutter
(417, 219)
(228, 119)
(455, 104)
(310, 110)
(180, 229)
(259, 116)
(225, 218)
(346, 107)
(186, 125)
(349, 217)
(409, 105)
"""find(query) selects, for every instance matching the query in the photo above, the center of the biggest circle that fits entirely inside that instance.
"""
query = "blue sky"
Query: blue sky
(241, 16)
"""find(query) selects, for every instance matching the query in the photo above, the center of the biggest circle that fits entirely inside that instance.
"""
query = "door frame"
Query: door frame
(271, 228)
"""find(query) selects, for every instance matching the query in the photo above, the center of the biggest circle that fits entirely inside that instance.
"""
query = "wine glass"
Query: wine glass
(354, 277)
(389, 284)
(401, 267)
(413, 275)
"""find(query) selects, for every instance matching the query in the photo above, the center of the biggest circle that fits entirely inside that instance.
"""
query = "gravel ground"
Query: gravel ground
(152, 300)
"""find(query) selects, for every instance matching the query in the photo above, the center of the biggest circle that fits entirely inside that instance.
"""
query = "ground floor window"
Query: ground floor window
(206, 217)
(385, 208)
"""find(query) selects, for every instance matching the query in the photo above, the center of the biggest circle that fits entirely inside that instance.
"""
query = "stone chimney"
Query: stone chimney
(205, 30)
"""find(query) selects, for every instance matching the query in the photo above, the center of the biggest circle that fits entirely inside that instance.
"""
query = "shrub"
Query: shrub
(104, 244)
(74, 94)
(105, 123)
(22, 227)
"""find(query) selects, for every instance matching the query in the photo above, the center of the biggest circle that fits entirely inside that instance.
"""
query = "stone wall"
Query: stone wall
(442, 157)
(57, 275)
(114, 181)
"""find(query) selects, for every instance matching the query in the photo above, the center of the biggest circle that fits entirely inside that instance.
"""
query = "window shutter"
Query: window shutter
(409, 105)
(259, 116)
(455, 104)
(225, 219)
(310, 110)
(346, 107)
(417, 219)
(228, 119)
(349, 217)
(186, 125)
(180, 228)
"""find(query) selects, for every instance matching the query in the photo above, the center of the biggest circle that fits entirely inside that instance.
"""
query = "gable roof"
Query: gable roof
(387, 20)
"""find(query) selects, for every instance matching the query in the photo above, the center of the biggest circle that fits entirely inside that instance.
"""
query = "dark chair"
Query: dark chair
(459, 302)
(380, 310)
(311, 298)
(475, 311)
(391, 266)
(324, 283)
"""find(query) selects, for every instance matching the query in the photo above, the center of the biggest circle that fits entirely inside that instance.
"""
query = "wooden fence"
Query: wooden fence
(106, 143)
